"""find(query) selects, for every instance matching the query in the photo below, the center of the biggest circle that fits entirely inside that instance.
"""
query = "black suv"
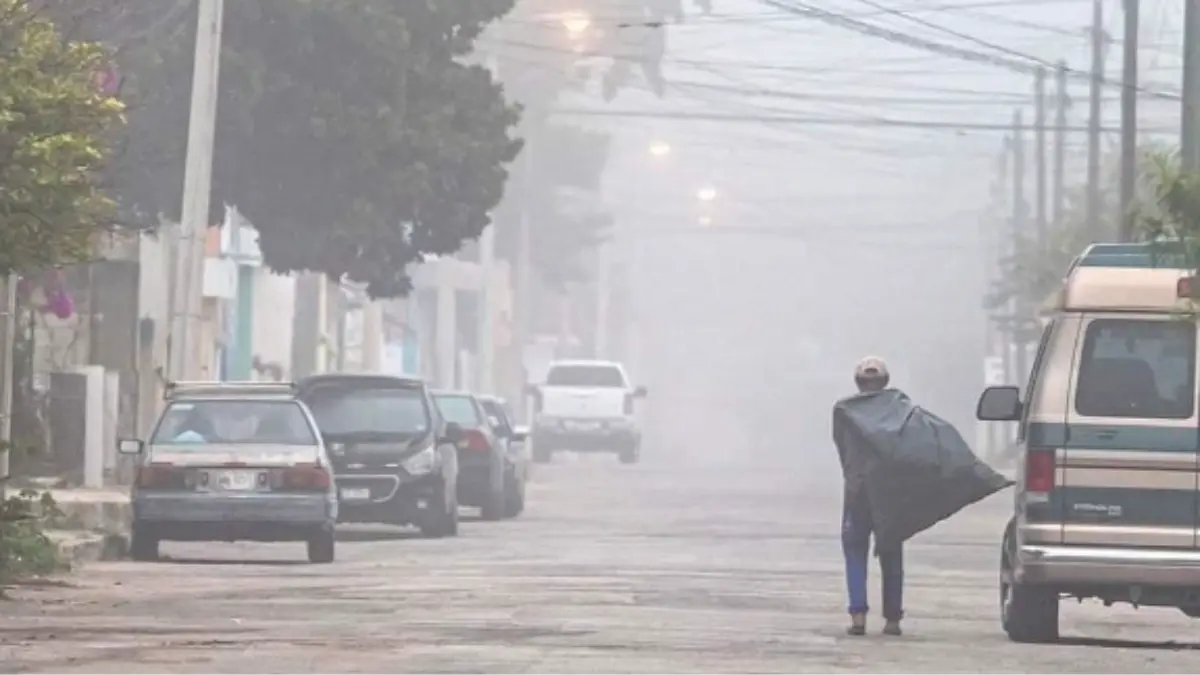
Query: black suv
(394, 457)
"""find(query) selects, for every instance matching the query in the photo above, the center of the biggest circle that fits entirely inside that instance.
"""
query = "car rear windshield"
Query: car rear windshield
(232, 421)
(459, 409)
(1137, 368)
(585, 376)
(386, 410)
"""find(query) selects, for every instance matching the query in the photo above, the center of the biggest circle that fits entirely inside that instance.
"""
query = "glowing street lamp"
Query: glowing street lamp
(660, 149)
(576, 24)
(706, 194)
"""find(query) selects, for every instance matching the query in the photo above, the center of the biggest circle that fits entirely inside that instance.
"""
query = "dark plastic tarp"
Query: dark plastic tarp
(919, 470)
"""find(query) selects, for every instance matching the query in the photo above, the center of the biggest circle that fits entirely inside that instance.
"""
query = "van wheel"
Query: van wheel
(322, 547)
(143, 547)
(1028, 613)
(630, 454)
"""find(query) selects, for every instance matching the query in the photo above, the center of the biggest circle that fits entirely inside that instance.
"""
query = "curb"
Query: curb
(76, 548)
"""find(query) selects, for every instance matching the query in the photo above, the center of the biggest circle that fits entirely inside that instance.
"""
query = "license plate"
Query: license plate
(356, 494)
(238, 480)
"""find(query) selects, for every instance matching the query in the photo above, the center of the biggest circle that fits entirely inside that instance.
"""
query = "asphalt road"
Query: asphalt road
(612, 569)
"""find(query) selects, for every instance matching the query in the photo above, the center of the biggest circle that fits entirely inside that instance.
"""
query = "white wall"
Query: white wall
(274, 305)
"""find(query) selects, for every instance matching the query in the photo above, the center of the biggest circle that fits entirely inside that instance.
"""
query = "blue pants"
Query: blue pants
(856, 546)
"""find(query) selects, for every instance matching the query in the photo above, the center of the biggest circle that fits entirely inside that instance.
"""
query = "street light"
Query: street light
(706, 194)
(660, 149)
(576, 24)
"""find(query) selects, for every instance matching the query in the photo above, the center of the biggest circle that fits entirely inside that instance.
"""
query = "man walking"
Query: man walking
(871, 377)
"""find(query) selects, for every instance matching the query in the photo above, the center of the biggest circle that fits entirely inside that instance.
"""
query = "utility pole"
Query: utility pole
(1191, 87)
(1020, 309)
(1039, 131)
(1094, 108)
(524, 266)
(8, 339)
(1129, 124)
(1062, 105)
(197, 186)
(1000, 198)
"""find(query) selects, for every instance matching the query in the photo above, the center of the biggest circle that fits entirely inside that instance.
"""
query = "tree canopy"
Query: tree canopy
(348, 131)
(56, 121)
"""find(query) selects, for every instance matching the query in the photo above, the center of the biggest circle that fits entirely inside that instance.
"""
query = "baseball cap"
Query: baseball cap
(871, 366)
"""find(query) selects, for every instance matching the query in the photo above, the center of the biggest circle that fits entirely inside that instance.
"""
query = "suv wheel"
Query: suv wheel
(322, 547)
(514, 495)
(442, 521)
(1028, 613)
(143, 546)
(497, 503)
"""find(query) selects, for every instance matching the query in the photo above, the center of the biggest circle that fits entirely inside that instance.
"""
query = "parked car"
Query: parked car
(394, 456)
(482, 456)
(517, 465)
(232, 461)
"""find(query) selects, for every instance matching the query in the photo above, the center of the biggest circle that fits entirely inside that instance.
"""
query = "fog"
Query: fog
(833, 239)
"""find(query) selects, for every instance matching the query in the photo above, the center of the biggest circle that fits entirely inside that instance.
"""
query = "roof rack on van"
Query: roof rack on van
(1146, 255)
(1143, 277)
(180, 389)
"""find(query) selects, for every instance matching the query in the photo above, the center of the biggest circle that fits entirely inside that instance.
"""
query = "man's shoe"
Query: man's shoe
(892, 628)
(858, 625)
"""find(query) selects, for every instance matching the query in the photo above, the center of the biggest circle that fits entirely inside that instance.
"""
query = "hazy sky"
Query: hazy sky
(885, 251)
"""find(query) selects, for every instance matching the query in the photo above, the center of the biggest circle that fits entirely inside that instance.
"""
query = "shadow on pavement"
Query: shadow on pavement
(1127, 644)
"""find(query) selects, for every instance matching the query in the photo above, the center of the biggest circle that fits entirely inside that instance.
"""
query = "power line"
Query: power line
(1029, 66)
(806, 120)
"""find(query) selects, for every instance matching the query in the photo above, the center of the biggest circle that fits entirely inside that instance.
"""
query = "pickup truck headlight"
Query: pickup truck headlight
(421, 463)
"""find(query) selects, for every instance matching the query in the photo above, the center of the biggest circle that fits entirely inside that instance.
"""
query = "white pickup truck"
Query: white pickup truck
(586, 406)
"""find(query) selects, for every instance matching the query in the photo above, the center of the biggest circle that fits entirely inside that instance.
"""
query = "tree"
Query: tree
(1173, 211)
(55, 133)
(348, 131)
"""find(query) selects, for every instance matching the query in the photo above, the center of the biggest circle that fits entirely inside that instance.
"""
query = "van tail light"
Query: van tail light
(161, 477)
(475, 441)
(302, 478)
(628, 404)
(1040, 467)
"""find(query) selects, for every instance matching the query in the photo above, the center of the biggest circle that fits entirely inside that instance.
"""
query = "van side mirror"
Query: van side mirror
(640, 392)
(999, 404)
(453, 435)
(129, 446)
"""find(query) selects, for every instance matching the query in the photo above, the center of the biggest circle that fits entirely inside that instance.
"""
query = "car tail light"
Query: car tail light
(475, 441)
(628, 404)
(303, 478)
(1039, 470)
(161, 476)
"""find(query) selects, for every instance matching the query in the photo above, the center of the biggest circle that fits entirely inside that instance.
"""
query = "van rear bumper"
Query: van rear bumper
(1089, 565)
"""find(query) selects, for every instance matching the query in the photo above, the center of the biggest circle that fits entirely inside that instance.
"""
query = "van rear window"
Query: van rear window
(1138, 368)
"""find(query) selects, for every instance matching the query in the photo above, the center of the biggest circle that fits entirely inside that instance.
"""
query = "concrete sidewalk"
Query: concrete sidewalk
(94, 524)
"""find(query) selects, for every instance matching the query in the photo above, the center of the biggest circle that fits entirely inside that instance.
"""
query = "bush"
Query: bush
(25, 550)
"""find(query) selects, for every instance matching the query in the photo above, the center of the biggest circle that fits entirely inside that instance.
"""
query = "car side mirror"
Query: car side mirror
(519, 434)
(999, 404)
(640, 392)
(453, 434)
(130, 446)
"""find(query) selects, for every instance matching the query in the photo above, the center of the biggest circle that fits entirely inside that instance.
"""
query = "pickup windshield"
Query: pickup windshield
(585, 375)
